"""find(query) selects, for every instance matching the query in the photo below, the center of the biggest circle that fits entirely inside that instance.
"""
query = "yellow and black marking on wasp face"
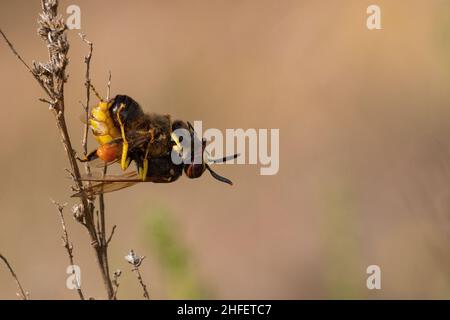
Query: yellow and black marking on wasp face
(195, 170)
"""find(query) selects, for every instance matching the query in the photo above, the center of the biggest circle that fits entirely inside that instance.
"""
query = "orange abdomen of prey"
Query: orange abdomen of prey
(109, 152)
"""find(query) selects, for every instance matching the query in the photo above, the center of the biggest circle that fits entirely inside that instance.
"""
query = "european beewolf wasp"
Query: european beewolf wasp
(126, 134)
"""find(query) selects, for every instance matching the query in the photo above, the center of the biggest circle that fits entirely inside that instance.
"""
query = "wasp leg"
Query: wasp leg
(124, 160)
(143, 172)
(89, 157)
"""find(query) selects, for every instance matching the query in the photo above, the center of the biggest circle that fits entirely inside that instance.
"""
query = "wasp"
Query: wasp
(126, 134)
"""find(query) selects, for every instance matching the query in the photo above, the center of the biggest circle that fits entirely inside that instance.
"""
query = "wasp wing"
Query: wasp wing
(104, 187)
(99, 163)
(99, 183)
(99, 176)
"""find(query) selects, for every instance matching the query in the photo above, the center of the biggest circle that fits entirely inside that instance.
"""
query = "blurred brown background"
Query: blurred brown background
(364, 153)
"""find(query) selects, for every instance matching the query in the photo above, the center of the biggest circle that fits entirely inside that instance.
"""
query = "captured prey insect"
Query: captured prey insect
(126, 134)
(120, 121)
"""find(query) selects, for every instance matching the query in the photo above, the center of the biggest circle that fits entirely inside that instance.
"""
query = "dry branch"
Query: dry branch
(51, 76)
(87, 83)
(66, 243)
(22, 294)
(115, 281)
(136, 262)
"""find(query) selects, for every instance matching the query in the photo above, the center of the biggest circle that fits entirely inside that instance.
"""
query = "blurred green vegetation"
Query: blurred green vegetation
(161, 233)
(341, 225)
(442, 31)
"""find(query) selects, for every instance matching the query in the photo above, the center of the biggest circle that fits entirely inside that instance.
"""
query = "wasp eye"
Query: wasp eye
(194, 171)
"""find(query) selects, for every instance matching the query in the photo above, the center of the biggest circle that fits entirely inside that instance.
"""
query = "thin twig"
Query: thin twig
(101, 201)
(67, 244)
(111, 235)
(14, 51)
(22, 294)
(116, 283)
(45, 101)
(144, 287)
(102, 231)
(136, 262)
(108, 87)
(84, 141)
(87, 83)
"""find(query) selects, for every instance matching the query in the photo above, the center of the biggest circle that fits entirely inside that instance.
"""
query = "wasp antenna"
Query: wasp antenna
(95, 92)
(218, 177)
(191, 128)
(225, 159)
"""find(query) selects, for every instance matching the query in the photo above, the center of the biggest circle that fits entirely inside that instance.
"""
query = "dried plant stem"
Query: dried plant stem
(22, 294)
(108, 87)
(87, 83)
(104, 241)
(116, 283)
(67, 244)
(141, 282)
(25, 64)
(136, 261)
(97, 229)
(51, 76)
